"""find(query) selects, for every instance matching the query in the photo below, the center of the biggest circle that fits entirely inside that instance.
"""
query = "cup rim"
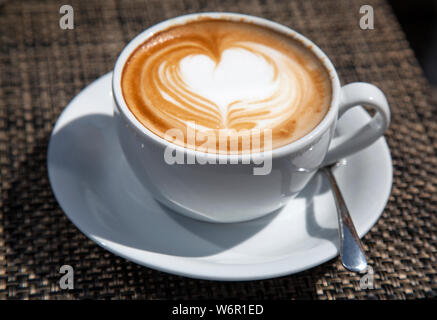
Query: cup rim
(292, 147)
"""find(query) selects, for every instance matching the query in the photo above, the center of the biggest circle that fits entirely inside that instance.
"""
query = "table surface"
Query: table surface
(42, 67)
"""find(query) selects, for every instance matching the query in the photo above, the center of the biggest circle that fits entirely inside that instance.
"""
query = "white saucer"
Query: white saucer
(99, 193)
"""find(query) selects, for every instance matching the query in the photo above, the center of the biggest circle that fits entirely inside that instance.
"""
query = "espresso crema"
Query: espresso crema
(232, 79)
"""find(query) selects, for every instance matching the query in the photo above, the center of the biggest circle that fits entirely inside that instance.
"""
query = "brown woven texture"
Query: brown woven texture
(43, 67)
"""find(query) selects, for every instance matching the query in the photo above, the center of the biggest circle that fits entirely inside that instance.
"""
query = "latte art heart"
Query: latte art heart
(240, 75)
(226, 77)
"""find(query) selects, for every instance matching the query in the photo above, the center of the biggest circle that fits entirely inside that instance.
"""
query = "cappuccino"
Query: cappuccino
(226, 80)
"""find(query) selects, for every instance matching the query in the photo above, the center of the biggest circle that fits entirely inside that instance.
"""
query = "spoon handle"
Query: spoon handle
(351, 249)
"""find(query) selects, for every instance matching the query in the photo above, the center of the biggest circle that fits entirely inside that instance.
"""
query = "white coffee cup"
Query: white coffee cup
(231, 192)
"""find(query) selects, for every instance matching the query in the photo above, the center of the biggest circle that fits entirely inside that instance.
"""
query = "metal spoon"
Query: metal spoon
(351, 249)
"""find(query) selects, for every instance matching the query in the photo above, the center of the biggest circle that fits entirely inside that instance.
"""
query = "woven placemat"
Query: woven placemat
(43, 67)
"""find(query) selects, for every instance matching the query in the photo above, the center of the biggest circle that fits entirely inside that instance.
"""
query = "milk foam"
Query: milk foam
(247, 79)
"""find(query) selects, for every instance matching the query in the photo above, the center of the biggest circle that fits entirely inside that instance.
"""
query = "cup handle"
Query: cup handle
(352, 95)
